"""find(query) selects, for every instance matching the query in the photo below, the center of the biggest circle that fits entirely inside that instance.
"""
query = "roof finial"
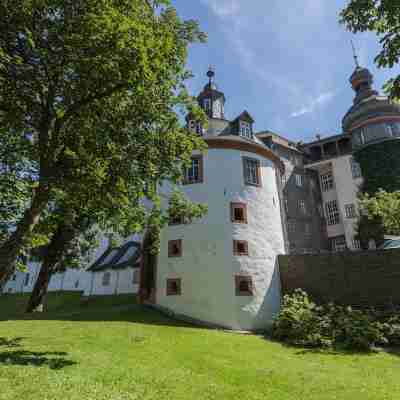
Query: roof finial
(355, 54)
(210, 73)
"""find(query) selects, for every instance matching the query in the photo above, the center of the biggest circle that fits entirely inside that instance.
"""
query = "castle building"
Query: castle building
(223, 268)
(266, 196)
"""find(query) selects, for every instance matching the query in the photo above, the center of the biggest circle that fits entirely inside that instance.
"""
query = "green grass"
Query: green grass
(109, 351)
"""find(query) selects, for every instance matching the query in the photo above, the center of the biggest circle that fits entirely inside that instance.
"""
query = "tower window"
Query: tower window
(175, 248)
(332, 213)
(355, 169)
(245, 129)
(240, 248)
(207, 104)
(106, 279)
(174, 287)
(194, 174)
(243, 285)
(239, 213)
(252, 171)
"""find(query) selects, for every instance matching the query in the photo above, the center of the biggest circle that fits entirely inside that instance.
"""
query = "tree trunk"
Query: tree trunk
(40, 289)
(12, 247)
(54, 253)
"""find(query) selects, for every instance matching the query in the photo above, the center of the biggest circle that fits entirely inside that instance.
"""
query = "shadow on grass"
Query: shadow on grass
(35, 358)
(134, 313)
(15, 342)
(56, 360)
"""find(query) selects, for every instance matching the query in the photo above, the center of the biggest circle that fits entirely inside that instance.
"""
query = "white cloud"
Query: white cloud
(313, 104)
(223, 8)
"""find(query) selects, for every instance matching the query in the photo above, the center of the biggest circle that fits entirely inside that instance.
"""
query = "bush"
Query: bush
(302, 322)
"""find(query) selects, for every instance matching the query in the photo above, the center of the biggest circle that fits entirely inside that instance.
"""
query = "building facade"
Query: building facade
(266, 196)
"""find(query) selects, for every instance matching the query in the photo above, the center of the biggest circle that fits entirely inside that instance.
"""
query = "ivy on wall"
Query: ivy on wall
(380, 166)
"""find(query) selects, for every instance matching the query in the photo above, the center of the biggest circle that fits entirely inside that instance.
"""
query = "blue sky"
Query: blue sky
(286, 62)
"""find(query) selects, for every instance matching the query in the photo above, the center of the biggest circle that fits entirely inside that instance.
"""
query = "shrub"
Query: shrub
(302, 322)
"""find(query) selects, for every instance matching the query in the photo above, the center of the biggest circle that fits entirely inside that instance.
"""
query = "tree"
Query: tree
(380, 214)
(71, 242)
(93, 83)
(381, 17)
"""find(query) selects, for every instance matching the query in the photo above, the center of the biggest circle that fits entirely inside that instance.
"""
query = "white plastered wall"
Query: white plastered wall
(208, 266)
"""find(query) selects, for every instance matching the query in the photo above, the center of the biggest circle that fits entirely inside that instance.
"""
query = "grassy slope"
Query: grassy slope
(134, 353)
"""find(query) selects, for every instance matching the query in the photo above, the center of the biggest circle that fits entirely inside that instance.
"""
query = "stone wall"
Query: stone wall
(361, 279)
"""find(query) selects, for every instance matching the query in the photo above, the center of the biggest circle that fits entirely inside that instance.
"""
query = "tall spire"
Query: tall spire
(355, 54)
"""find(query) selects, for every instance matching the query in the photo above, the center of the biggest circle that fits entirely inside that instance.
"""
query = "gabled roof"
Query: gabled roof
(244, 116)
(126, 256)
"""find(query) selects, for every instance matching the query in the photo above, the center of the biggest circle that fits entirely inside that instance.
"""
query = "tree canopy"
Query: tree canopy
(94, 85)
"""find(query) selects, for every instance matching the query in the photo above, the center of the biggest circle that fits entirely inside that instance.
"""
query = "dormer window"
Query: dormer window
(245, 129)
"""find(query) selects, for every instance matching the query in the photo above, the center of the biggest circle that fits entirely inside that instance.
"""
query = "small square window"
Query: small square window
(243, 285)
(174, 287)
(106, 279)
(239, 213)
(175, 248)
(240, 248)
(252, 171)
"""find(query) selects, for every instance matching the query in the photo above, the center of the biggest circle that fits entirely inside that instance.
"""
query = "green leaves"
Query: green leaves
(385, 207)
(383, 18)
(95, 84)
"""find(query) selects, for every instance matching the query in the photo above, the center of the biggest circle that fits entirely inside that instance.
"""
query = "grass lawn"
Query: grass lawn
(108, 350)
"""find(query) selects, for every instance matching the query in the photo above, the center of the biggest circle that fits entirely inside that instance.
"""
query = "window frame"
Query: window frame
(236, 251)
(171, 253)
(327, 181)
(242, 206)
(178, 291)
(106, 282)
(245, 129)
(244, 278)
(302, 207)
(200, 179)
(355, 169)
(332, 213)
(299, 180)
(350, 211)
(257, 162)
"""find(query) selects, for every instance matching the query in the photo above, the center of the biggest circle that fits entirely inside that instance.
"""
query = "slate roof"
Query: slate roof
(126, 256)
